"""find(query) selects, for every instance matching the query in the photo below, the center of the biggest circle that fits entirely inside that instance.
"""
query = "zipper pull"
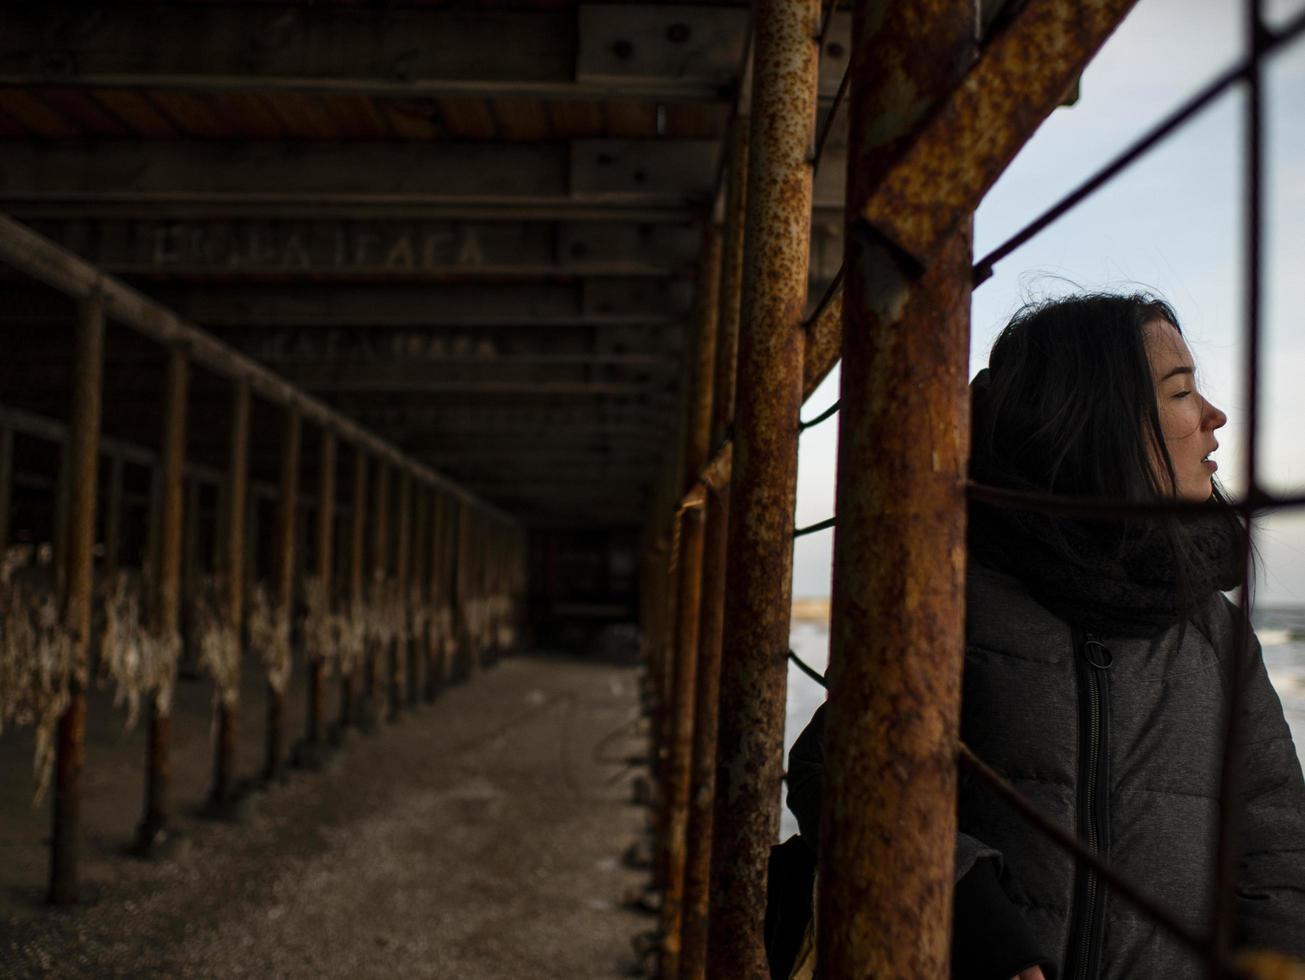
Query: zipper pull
(1096, 653)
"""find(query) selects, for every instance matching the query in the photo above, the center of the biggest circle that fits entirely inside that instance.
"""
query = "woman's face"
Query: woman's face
(1187, 420)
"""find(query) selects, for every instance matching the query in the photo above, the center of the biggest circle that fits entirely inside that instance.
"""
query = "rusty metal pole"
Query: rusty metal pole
(349, 674)
(372, 692)
(236, 499)
(324, 572)
(750, 740)
(897, 627)
(689, 581)
(458, 572)
(436, 597)
(152, 831)
(77, 562)
(7, 484)
(278, 674)
(417, 592)
(697, 872)
(112, 519)
(399, 648)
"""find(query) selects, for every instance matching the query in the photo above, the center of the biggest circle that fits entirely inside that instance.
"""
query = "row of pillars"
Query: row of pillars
(716, 600)
(452, 592)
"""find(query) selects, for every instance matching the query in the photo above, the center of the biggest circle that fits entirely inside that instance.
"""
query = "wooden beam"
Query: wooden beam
(393, 173)
(629, 52)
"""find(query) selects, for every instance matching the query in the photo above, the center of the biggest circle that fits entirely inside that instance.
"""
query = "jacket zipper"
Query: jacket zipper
(1086, 929)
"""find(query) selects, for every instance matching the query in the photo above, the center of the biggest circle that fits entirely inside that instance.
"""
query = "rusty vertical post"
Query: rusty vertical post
(112, 519)
(77, 562)
(6, 485)
(457, 590)
(279, 661)
(349, 673)
(233, 580)
(402, 549)
(324, 574)
(697, 872)
(419, 594)
(190, 576)
(897, 617)
(750, 740)
(372, 692)
(437, 598)
(152, 831)
(689, 582)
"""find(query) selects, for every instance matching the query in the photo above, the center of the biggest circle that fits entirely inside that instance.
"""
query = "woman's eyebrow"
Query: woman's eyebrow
(1181, 369)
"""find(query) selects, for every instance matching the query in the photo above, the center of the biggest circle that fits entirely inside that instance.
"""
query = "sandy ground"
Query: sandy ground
(478, 838)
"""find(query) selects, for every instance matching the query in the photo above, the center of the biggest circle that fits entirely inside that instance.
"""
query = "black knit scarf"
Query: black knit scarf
(1108, 578)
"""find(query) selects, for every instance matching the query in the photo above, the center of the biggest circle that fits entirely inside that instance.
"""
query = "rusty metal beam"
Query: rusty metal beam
(936, 179)
(403, 552)
(165, 602)
(418, 645)
(77, 565)
(689, 582)
(897, 627)
(56, 267)
(768, 398)
(697, 874)
(436, 597)
(373, 694)
(231, 550)
(349, 686)
(563, 53)
(325, 574)
(278, 674)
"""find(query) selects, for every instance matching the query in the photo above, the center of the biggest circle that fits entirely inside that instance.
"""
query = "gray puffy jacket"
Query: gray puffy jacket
(1119, 739)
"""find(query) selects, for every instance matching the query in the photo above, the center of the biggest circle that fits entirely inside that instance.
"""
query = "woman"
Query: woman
(1095, 665)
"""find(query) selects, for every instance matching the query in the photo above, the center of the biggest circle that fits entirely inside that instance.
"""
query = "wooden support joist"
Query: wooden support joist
(634, 53)
(56, 267)
(654, 172)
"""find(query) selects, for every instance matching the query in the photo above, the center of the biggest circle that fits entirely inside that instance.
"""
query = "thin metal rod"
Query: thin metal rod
(828, 413)
(1231, 779)
(77, 563)
(1269, 42)
(813, 528)
(153, 829)
(830, 119)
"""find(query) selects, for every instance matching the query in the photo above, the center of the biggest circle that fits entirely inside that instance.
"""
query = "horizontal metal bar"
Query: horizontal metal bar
(56, 267)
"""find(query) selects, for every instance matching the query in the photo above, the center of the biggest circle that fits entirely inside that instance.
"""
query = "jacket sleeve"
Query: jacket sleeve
(990, 938)
(1270, 903)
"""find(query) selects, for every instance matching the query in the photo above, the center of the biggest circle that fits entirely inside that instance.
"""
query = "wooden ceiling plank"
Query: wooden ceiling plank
(80, 107)
(521, 119)
(303, 115)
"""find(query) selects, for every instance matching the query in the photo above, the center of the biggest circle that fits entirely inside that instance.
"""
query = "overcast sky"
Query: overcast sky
(1171, 224)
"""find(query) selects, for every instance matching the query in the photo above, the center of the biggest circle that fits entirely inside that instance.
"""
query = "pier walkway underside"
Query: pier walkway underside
(478, 837)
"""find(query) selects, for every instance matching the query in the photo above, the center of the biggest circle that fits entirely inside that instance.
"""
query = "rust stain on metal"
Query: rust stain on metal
(768, 398)
(1022, 74)
(83, 453)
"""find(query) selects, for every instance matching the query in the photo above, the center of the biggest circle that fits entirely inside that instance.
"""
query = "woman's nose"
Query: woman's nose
(1214, 417)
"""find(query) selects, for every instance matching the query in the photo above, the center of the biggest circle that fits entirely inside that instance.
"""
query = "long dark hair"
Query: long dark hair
(1068, 406)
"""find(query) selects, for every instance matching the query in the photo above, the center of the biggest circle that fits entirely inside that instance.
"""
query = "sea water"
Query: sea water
(1281, 631)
